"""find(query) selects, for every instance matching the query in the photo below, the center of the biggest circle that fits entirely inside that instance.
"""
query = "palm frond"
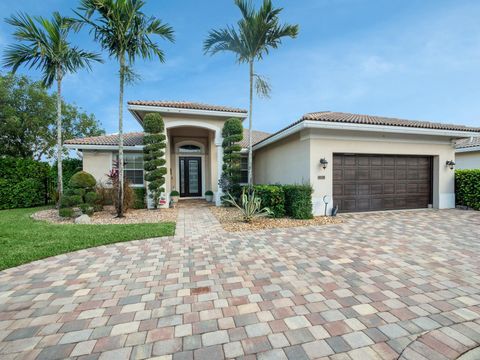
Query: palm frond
(256, 33)
(122, 29)
(262, 86)
(42, 44)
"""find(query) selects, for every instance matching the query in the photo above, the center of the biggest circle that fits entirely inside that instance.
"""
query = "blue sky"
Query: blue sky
(410, 59)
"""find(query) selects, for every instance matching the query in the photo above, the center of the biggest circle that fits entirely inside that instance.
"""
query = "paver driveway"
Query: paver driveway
(375, 287)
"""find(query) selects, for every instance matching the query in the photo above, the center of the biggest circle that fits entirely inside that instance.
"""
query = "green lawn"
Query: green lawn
(23, 240)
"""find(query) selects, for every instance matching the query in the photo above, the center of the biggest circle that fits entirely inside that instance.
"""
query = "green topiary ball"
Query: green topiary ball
(83, 180)
(153, 123)
(91, 197)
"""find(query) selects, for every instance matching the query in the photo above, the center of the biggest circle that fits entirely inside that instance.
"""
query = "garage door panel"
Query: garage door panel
(377, 189)
(363, 173)
(350, 189)
(389, 173)
(349, 174)
(376, 173)
(381, 182)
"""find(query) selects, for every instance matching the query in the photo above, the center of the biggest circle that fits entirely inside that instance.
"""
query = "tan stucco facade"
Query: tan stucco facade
(467, 160)
(98, 163)
(296, 159)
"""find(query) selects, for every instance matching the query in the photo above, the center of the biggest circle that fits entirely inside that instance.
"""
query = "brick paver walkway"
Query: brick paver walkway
(375, 287)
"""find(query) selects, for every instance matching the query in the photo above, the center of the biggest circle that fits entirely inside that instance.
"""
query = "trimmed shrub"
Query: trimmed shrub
(87, 209)
(174, 193)
(81, 193)
(209, 192)
(154, 151)
(298, 201)
(232, 133)
(23, 183)
(273, 197)
(70, 200)
(82, 180)
(139, 198)
(467, 188)
(66, 212)
(91, 198)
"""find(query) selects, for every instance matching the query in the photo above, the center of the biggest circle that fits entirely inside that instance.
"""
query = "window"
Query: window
(244, 170)
(189, 149)
(133, 167)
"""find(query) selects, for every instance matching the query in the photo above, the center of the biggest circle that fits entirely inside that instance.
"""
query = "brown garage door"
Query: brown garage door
(381, 182)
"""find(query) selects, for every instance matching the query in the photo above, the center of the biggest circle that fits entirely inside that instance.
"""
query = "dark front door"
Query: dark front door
(190, 176)
(381, 182)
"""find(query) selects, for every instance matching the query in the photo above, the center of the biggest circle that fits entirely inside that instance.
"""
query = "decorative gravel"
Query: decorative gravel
(107, 216)
(231, 220)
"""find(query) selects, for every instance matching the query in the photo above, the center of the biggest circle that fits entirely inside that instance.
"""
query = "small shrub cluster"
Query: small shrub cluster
(273, 197)
(294, 201)
(298, 201)
(23, 183)
(467, 188)
(139, 198)
(81, 194)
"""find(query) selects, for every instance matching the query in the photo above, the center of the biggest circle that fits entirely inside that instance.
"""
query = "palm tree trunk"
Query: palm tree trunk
(59, 136)
(120, 139)
(250, 154)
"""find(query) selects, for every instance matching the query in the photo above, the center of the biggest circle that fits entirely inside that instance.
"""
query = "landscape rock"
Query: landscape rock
(83, 219)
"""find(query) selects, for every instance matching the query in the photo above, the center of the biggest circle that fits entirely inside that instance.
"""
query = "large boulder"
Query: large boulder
(83, 219)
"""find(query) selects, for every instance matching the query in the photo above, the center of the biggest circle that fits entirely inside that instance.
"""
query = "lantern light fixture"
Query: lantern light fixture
(450, 164)
(323, 163)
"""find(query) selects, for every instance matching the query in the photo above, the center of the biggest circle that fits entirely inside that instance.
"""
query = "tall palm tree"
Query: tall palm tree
(258, 32)
(125, 32)
(43, 44)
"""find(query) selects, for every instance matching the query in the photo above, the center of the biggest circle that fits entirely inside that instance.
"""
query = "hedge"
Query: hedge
(139, 198)
(298, 201)
(286, 200)
(273, 197)
(467, 188)
(23, 183)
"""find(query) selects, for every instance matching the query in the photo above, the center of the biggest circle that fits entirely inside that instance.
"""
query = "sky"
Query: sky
(411, 59)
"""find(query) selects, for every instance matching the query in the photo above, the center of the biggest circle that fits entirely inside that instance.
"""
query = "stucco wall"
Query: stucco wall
(97, 163)
(285, 162)
(323, 144)
(296, 159)
(467, 160)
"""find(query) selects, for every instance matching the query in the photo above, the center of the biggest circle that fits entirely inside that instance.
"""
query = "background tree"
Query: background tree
(43, 44)
(154, 152)
(28, 118)
(232, 133)
(258, 32)
(124, 31)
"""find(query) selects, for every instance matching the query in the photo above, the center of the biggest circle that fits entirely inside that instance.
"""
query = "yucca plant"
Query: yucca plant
(250, 206)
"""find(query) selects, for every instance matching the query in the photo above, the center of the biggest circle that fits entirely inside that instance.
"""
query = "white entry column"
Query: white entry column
(218, 144)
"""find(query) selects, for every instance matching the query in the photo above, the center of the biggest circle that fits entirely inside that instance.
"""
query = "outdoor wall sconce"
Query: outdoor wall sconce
(450, 164)
(323, 163)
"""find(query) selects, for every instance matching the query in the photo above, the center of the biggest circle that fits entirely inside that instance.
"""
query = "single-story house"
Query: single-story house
(467, 153)
(358, 162)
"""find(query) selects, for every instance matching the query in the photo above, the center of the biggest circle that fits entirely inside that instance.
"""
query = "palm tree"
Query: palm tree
(125, 32)
(258, 32)
(43, 44)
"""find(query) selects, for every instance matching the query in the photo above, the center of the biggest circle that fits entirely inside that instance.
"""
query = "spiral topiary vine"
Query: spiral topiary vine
(232, 133)
(154, 152)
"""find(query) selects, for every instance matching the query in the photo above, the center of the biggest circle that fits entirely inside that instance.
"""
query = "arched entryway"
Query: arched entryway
(194, 159)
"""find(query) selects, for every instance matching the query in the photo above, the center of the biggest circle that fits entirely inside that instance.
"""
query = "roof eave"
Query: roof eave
(170, 110)
(102, 147)
(315, 124)
(468, 149)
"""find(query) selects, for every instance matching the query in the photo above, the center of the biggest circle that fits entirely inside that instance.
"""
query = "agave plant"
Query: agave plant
(250, 206)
